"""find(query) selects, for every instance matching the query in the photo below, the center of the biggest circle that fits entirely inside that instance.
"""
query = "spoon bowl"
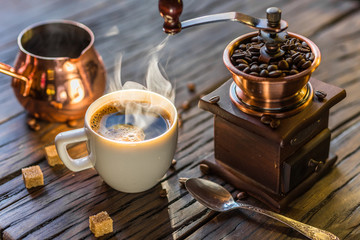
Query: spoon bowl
(217, 198)
(210, 194)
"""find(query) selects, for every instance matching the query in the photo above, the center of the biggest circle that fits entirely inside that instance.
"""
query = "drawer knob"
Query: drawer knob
(315, 164)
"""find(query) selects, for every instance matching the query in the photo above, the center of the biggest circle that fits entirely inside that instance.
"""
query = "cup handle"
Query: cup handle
(8, 70)
(65, 138)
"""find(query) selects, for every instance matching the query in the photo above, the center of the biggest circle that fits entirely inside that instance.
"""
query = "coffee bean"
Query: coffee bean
(289, 60)
(283, 65)
(304, 50)
(163, 193)
(304, 44)
(191, 87)
(285, 47)
(306, 65)
(248, 59)
(292, 40)
(255, 68)
(185, 105)
(292, 46)
(33, 124)
(264, 73)
(253, 49)
(276, 73)
(247, 70)
(272, 68)
(241, 66)
(241, 61)
(321, 95)
(238, 55)
(263, 66)
(36, 127)
(173, 162)
(292, 52)
(242, 47)
(295, 54)
(31, 121)
(293, 72)
(255, 59)
(300, 63)
(254, 73)
(255, 54)
(297, 58)
(310, 56)
(255, 39)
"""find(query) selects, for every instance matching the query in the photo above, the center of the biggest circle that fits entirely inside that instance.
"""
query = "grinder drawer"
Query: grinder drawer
(304, 161)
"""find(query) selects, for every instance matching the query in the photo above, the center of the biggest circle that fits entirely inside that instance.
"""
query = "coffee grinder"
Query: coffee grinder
(271, 133)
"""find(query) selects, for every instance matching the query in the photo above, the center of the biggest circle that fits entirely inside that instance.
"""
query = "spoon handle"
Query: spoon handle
(307, 230)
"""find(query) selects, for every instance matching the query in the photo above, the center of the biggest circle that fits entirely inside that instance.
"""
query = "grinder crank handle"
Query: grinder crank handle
(171, 10)
(257, 23)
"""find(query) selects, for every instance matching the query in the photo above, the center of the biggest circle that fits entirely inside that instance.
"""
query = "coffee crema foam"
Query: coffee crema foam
(131, 122)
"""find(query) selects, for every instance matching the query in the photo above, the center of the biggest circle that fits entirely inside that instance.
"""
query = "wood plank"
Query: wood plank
(61, 208)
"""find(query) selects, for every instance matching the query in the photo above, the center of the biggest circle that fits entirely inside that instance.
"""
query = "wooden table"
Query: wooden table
(61, 208)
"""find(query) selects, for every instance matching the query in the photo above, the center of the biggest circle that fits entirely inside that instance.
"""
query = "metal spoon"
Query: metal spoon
(217, 198)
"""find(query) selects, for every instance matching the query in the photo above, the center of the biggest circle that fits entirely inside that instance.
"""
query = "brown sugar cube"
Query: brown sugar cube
(32, 176)
(52, 156)
(101, 224)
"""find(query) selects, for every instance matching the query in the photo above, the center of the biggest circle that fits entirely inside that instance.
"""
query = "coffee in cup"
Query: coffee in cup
(130, 121)
(131, 138)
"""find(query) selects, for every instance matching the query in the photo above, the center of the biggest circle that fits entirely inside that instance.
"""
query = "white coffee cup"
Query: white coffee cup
(125, 166)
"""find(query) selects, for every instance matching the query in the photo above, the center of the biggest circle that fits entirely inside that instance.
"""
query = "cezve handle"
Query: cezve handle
(8, 70)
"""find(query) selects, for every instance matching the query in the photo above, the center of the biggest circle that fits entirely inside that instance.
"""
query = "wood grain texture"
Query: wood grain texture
(131, 29)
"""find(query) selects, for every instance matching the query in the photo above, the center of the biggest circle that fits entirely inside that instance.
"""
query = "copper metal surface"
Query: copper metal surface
(284, 108)
(269, 93)
(59, 84)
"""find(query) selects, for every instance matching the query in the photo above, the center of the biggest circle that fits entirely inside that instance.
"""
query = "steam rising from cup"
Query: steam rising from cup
(155, 81)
